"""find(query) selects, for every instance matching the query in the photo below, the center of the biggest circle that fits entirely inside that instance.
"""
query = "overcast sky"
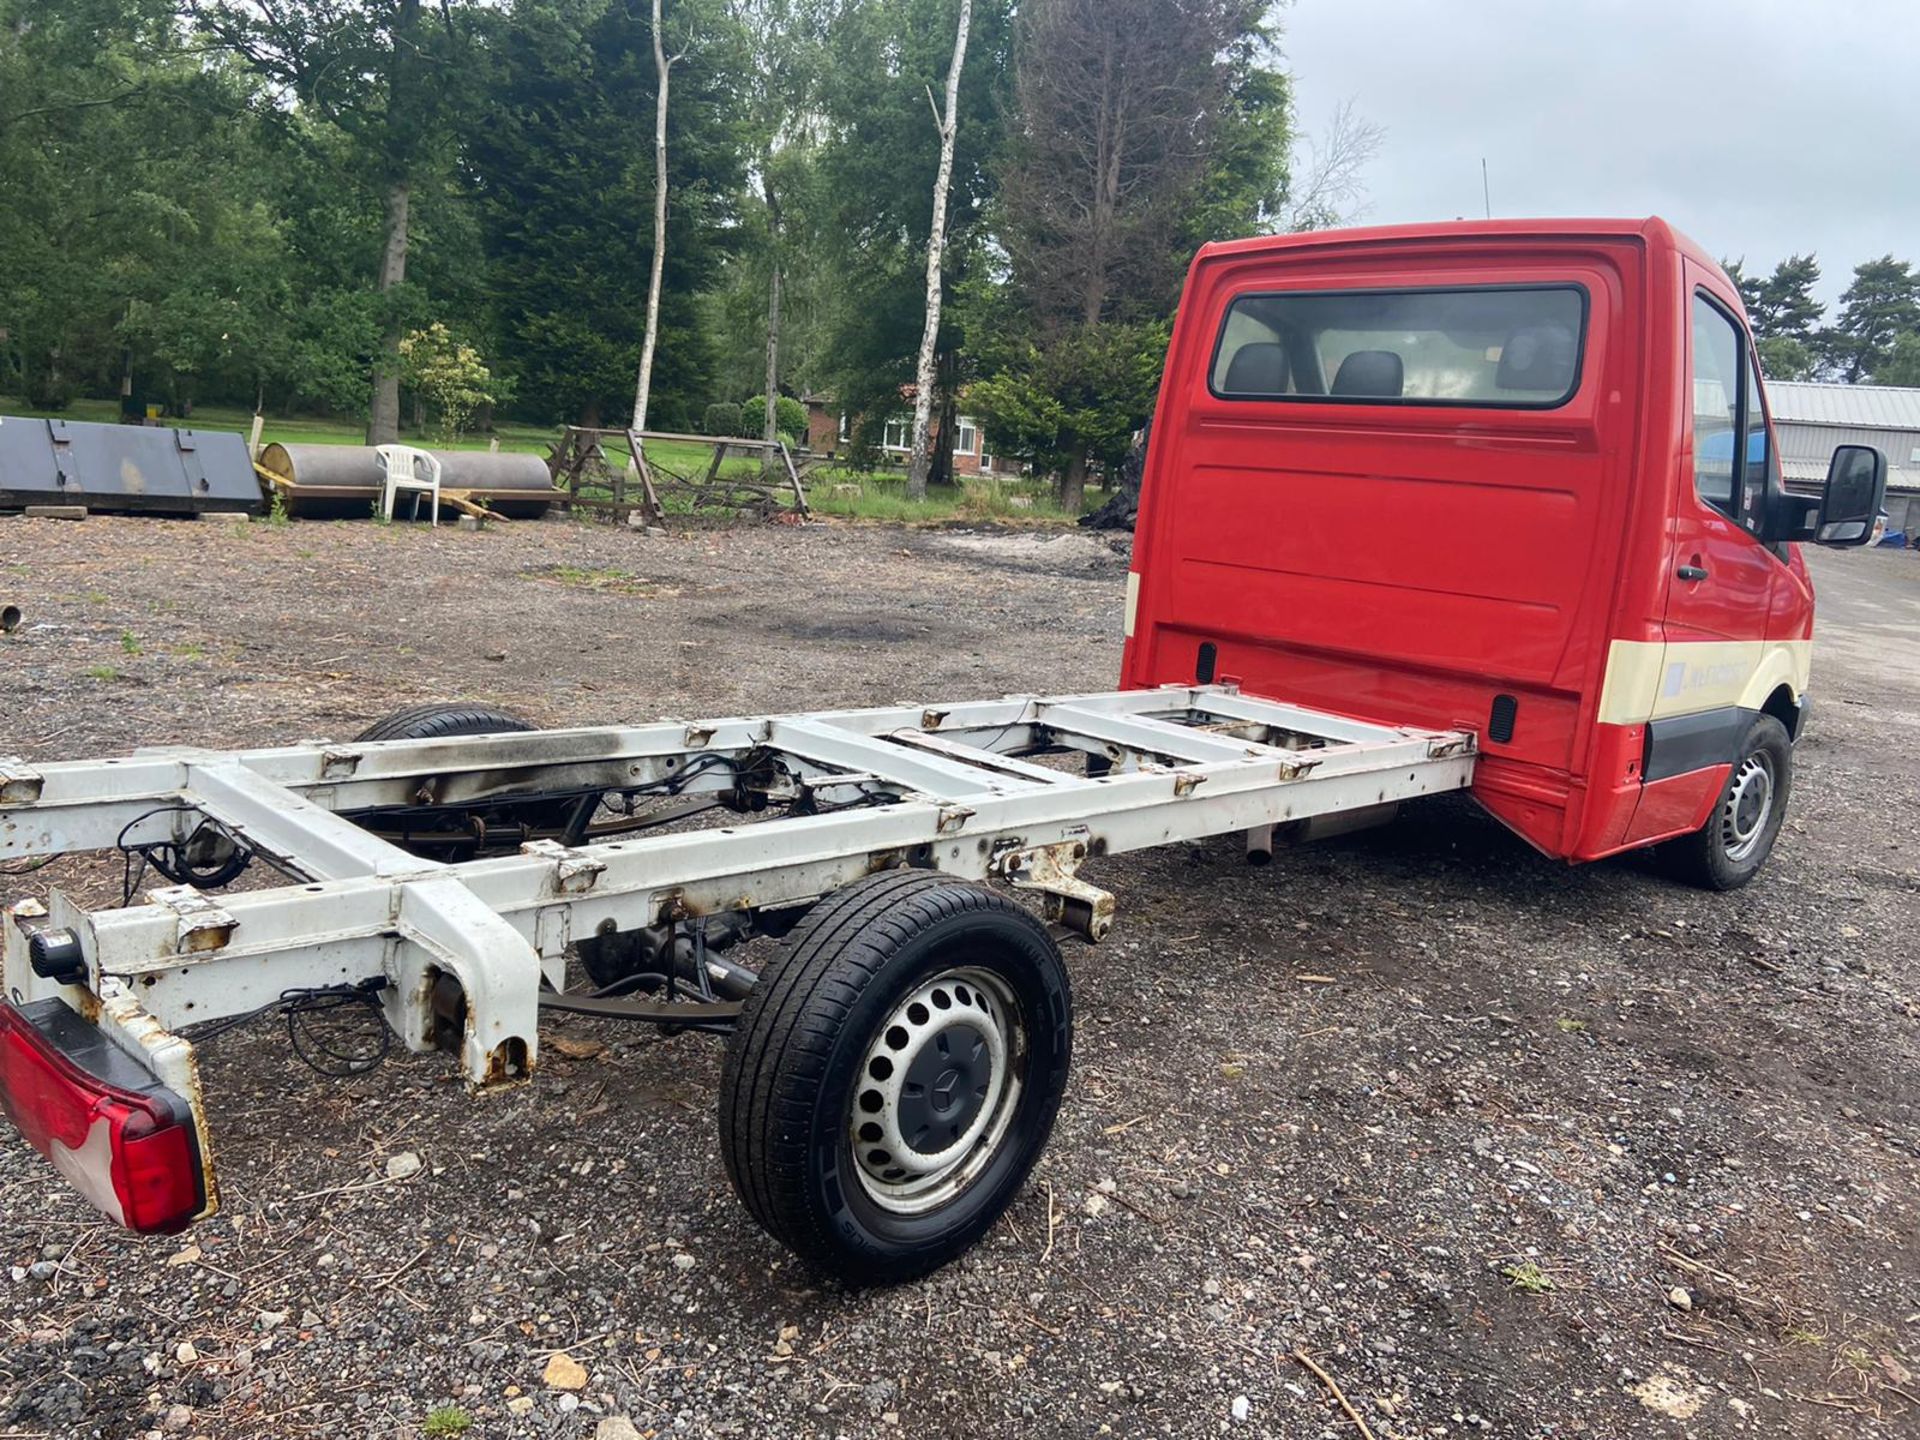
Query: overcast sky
(1759, 127)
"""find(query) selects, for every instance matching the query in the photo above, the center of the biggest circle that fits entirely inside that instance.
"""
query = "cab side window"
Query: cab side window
(1716, 405)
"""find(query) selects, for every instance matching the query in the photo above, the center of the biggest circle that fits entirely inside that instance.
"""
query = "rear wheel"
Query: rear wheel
(441, 719)
(1728, 851)
(460, 834)
(896, 1074)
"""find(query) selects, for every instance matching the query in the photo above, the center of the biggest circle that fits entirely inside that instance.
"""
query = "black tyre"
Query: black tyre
(440, 720)
(447, 720)
(896, 1074)
(1728, 851)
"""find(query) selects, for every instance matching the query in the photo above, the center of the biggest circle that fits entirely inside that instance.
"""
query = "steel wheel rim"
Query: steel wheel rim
(938, 1089)
(1748, 807)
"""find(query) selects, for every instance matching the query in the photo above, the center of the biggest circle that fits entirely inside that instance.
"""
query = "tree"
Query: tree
(1748, 286)
(449, 373)
(558, 169)
(1782, 357)
(1783, 314)
(780, 42)
(1782, 306)
(947, 120)
(874, 183)
(1902, 365)
(143, 245)
(1882, 303)
(387, 77)
(1141, 129)
(662, 74)
(1326, 186)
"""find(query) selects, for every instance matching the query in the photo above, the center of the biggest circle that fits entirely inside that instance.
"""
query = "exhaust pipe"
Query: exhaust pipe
(1260, 845)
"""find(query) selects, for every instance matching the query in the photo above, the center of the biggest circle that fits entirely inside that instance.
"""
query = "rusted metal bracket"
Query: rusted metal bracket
(339, 764)
(574, 873)
(203, 925)
(1070, 901)
(20, 783)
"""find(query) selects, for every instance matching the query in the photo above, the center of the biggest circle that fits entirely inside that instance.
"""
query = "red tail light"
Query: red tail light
(123, 1139)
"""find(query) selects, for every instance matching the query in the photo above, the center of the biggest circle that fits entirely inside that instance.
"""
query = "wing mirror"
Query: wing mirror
(1856, 489)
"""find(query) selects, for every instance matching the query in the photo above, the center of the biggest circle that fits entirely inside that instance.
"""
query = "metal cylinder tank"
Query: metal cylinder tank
(341, 482)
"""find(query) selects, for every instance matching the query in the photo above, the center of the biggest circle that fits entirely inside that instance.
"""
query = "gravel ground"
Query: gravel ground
(1505, 1148)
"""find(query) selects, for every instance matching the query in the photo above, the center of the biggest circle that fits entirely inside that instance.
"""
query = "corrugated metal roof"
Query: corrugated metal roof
(1867, 407)
(1806, 477)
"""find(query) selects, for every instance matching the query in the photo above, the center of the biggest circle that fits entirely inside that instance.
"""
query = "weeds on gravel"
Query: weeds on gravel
(884, 498)
(277, 510)
(1568, 1026)
(447, 1420)
(1528, 1278)
(103, 672)
(129, 642)
(1859, 1361)
(606, 579)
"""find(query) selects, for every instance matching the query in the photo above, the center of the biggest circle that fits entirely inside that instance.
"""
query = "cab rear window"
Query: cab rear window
(1517, 347)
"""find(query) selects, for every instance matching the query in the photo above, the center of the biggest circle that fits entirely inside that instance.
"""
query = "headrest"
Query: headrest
(1538, 357)
(1370, 372)
(1257, 369)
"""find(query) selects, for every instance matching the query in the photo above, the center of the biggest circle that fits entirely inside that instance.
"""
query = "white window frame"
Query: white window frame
(905, 426)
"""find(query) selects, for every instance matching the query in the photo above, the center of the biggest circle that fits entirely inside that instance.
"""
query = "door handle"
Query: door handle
(1692, 572)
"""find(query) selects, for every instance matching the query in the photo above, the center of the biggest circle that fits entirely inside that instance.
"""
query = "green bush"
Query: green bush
(671, 413)
(721, 419)
(790, 416)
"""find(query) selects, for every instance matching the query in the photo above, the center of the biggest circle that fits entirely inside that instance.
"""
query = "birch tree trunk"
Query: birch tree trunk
(936, 253)
(770, 431)
(662, 66)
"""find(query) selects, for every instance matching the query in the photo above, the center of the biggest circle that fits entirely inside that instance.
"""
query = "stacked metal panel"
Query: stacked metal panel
(129, 469)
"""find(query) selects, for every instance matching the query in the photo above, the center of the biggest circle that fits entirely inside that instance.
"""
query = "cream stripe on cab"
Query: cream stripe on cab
(1650, 680)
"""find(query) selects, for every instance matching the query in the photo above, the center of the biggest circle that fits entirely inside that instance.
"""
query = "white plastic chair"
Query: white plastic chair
(406, 468)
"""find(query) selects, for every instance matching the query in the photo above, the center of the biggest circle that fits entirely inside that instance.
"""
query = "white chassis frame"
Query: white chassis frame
(1187, 762)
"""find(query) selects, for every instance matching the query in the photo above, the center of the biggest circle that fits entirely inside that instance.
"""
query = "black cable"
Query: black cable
(315, 1002)
(318, 1000)
(130, 877)
(170, 857)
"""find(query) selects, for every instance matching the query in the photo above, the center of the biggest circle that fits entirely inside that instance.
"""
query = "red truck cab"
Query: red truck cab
(1514, 477)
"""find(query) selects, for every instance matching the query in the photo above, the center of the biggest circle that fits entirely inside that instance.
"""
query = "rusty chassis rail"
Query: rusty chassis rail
(947, 787)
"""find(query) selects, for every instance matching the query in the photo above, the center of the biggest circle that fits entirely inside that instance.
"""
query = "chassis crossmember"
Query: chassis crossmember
(824, 799)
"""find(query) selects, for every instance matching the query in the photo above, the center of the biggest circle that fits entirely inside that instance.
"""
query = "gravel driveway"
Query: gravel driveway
(1503, 1148)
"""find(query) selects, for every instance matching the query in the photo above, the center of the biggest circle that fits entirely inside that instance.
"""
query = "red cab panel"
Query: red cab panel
(1435, 476)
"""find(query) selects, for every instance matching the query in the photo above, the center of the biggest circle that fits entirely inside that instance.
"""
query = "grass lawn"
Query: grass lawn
(843, 493)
